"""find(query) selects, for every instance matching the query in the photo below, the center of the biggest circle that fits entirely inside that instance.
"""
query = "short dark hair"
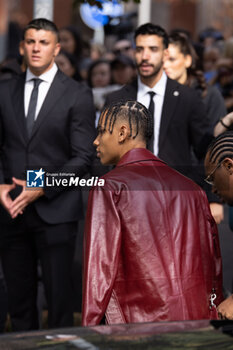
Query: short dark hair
(136, 114)
(42, 23)
(221, 147)
(152, 29)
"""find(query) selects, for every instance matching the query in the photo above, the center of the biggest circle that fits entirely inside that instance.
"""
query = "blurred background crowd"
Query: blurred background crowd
(98, 48)
(99, 51)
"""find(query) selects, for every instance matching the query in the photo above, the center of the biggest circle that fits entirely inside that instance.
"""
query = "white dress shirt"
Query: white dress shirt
(44, 86)
(144, 98)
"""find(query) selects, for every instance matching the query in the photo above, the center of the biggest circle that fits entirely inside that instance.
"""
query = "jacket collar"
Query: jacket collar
(137, 155)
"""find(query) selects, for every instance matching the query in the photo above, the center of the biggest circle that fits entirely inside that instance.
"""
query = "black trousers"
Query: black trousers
(25, 240)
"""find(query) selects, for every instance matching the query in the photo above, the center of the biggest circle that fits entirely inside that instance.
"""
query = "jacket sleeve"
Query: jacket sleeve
(215, 106)
(102, 243)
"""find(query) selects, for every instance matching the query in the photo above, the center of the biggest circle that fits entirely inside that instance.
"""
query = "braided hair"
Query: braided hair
(221, 147)
(137, 115)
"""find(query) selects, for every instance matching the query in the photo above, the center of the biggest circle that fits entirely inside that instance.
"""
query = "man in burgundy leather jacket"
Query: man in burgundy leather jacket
(151, 250)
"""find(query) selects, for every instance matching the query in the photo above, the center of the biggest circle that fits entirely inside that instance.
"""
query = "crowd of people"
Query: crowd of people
(151, 107)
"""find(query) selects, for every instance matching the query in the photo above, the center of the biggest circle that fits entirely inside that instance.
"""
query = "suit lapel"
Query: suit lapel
(169, 104)
(18, 104)
(56, 90)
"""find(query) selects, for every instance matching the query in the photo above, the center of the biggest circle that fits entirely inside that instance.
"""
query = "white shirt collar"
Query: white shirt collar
(47, 76)
(158, 88)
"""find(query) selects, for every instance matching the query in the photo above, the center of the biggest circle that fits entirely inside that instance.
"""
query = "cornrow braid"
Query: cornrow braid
(102, 114)
(221, 147)
(112, 119)
(137, 115)
(137, 122)
(130, 122)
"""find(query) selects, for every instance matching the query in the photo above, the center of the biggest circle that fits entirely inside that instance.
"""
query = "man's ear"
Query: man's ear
(57, 49)
(124, 132)
(228, 165)
(165, 54)
(21, 47)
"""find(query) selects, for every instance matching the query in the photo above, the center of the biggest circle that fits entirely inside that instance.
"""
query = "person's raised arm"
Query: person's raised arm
(224, 124)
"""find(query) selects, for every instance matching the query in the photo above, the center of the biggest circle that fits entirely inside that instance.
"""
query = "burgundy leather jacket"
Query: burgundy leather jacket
(151, 250)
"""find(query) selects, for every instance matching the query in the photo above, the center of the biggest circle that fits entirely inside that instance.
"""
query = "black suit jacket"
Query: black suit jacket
(183, 124)
(61, 141)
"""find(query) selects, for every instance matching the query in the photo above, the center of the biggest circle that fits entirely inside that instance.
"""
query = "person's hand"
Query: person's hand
(5, 198)
(225, 309)
(24, 198)
(220, 128)
(217, 212)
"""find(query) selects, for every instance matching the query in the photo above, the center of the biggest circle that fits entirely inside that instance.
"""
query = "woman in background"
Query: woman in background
(99, 74)
(72, 42)
(99, 78)
(180, 65)
(68, 65)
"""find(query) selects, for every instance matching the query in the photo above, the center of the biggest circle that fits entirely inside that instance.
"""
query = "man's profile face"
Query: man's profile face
(219, 175)
(149, 55)
(107, 144)
(40, 47)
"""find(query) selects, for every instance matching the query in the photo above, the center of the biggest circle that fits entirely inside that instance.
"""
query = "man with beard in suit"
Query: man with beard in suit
(46, 123)
(179, 113)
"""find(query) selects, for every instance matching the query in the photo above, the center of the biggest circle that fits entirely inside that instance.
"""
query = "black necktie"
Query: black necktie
(32, 106)
(151, 108)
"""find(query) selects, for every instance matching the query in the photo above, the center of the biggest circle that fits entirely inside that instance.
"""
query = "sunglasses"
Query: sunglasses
(210, 178)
